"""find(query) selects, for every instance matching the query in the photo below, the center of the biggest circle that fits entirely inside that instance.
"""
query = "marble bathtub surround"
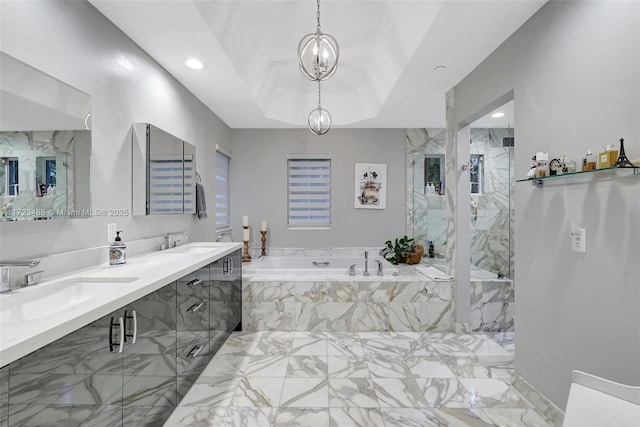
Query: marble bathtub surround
(380, 383)
(343, 305)
(340, 303)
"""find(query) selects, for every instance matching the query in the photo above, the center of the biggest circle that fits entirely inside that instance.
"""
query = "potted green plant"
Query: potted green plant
(402, 251)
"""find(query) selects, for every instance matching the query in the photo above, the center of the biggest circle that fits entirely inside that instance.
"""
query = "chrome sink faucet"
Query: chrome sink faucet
(366, 263)
(172, 239)
(224, 237)
(5, 273)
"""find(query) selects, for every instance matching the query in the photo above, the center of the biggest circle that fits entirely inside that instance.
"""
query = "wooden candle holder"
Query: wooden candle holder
(264, 242)
(246, 257)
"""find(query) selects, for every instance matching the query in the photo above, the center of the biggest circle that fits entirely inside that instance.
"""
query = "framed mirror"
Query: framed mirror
(45, 145)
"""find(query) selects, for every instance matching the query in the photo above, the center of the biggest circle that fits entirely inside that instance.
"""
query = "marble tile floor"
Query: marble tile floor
(312, 379)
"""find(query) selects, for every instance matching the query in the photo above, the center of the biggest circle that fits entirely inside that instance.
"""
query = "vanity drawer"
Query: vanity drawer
(193, 356)
(195, 284)
(193, 314)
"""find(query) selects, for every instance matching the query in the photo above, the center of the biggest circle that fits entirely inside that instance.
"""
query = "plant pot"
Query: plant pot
(416, 256)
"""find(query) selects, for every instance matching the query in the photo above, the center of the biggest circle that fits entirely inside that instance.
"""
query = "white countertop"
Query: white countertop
(35, 316)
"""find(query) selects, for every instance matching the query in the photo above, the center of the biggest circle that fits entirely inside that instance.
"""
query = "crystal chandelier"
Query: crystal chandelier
(318, 53)
(319, 118)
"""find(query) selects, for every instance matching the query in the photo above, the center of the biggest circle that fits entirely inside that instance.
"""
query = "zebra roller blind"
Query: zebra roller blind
(222, 191)
(309, 191)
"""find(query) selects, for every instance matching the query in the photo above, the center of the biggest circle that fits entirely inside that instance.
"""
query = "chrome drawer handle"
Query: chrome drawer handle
(120, 325)
(194, 351)
(195, 307)
(230, 265)
(134, 318)
(195, 282)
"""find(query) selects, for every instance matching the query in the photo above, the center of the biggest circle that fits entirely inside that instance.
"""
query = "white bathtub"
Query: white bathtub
(316, 265)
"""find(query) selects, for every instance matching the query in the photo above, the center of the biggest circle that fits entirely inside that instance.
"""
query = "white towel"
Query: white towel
(433, 273)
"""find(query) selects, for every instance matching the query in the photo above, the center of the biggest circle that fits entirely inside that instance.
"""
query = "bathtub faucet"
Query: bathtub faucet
(366, 263)
(352, 270)
(380, 273)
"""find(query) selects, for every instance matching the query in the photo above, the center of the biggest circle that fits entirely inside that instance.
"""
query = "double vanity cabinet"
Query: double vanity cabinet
(132, 366)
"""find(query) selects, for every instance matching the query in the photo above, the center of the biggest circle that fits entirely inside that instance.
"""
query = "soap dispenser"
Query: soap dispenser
(117, 251)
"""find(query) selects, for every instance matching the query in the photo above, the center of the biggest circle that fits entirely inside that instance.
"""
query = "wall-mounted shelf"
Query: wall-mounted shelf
(539, 182)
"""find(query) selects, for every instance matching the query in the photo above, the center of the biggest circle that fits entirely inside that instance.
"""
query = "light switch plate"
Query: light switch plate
(111, 232)
(579, 239)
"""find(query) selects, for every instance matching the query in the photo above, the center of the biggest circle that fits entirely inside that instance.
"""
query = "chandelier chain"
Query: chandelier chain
(319, 104)
(318, 14)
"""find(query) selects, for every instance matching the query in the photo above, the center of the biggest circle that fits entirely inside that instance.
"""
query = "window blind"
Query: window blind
(309, 192)
(222, 191)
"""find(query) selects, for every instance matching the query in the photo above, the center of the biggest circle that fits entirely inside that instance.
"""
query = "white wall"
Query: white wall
(73, 42)
(575, 69)
(258, 184)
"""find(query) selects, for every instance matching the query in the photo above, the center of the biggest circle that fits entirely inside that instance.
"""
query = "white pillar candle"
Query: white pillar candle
(245, 221)
(263, 225)
(245, 235)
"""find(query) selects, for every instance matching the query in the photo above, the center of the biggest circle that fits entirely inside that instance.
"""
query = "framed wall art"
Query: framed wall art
(370, 186)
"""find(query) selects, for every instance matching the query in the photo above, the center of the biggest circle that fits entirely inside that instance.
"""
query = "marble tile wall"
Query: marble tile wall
(343, 305)
(26, 146)
(492, 301)
(492, 230)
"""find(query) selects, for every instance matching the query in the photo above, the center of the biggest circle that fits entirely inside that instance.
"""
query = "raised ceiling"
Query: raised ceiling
(388, 52)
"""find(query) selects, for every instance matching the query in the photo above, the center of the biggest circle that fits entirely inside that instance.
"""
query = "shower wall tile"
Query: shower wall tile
(451, 162)
(431, 217)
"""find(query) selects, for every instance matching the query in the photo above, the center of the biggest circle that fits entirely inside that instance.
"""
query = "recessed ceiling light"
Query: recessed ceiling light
(497, 115)
(194, 64)
(439, 68)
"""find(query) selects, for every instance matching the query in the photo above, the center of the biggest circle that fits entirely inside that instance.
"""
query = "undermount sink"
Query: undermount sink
(195, 249)
(40, 301)
(155, 258)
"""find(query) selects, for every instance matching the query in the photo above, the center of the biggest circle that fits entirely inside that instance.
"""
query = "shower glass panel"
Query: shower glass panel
(428, 219)
(492, 185)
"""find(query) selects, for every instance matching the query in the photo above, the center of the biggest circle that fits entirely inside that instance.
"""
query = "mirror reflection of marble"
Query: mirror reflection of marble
(45, 145)
(164, 172)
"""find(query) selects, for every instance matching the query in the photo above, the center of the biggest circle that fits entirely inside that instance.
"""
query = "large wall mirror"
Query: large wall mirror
(45, 145)
(164, 172)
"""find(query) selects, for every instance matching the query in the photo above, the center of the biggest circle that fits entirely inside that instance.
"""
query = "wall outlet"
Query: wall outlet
(111, 232)
(579, 240)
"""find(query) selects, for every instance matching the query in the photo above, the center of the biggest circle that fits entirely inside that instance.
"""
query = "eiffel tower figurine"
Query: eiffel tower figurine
(623, 161)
